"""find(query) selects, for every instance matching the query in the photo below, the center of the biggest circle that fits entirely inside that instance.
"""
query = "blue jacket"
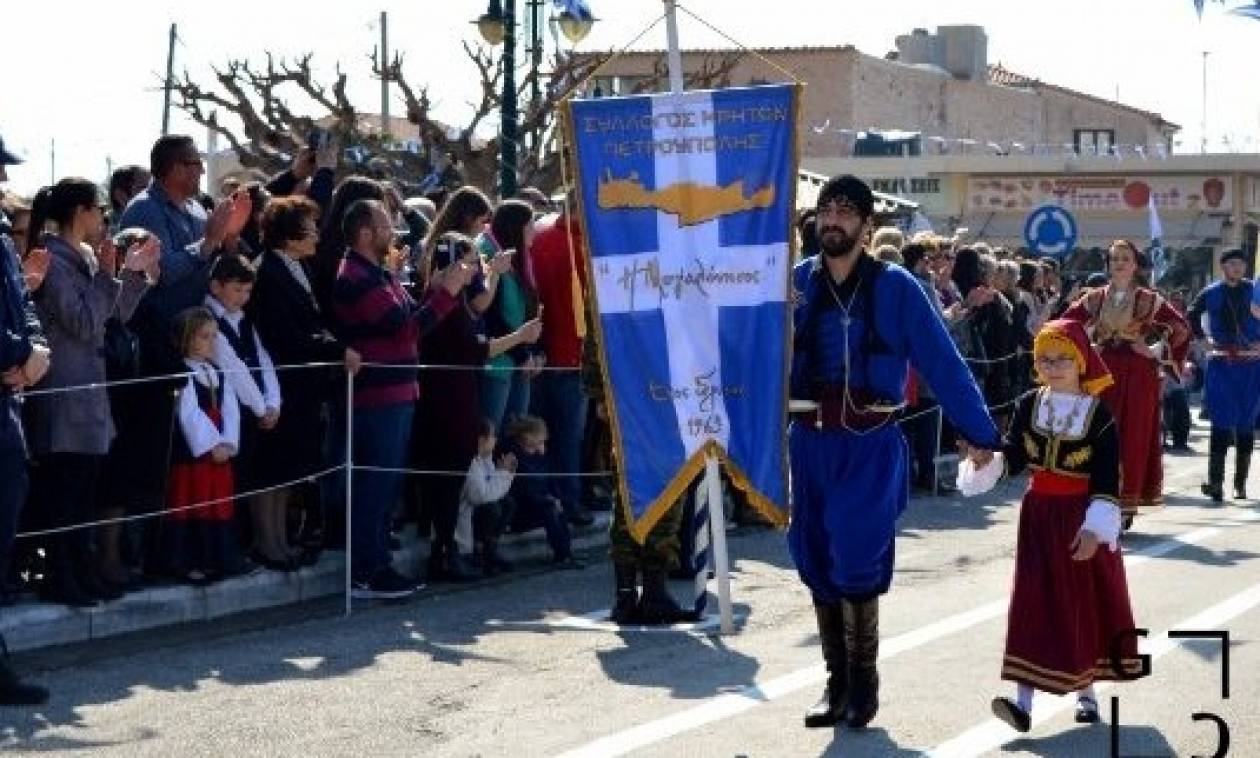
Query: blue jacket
(181, 228)
(1230, 323)
(19, 325)
(893, 325)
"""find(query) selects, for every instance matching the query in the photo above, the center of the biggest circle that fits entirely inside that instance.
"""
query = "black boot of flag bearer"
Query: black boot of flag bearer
(656, 606)
(1218, 446)
(1245, 444)
(626, 608)
(829, 710)
(861, 629)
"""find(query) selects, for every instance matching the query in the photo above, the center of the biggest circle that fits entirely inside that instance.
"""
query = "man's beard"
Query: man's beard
(843, 244)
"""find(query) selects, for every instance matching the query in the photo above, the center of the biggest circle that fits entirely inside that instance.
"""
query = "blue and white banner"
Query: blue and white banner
(687, 201)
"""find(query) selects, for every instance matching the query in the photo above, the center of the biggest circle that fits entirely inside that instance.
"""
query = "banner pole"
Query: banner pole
(349, 484)
(675, 55)
(717, 527)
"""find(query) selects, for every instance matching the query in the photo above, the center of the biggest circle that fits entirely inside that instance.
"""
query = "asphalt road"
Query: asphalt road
(520, 667)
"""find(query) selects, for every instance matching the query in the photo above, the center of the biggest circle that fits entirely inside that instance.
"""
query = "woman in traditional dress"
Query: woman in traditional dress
(1137, 332)
(1070, 623)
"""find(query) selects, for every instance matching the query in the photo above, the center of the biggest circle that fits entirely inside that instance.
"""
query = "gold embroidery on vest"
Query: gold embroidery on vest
(1031, 447)
(1077, 459)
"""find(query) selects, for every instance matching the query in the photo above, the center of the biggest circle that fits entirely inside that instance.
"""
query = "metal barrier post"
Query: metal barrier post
(349, 484)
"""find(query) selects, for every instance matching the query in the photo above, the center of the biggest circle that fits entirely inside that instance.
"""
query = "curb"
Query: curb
(34, 625)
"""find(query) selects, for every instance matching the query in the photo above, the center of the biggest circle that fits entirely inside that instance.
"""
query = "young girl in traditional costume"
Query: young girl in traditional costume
(199, 543)
(1069, 611)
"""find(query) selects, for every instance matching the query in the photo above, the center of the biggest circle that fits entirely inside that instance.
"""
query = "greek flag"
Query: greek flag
(1159, 259)
(687, 201)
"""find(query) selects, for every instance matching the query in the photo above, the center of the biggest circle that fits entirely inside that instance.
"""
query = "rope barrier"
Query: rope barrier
(435, 472)
(180, 509)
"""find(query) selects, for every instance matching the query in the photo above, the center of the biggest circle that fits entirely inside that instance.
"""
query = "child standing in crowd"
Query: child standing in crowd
(485, 509)
(1070, 620)
(535, 500)
(252, 375)
(199, 546)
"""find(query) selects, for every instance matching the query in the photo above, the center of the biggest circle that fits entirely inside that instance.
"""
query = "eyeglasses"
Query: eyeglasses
(1046, 361)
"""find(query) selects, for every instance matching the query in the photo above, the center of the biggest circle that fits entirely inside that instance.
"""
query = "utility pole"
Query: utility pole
(384, 73)
(52, 160)
(535, 58)
(508, 108)
(166, 86)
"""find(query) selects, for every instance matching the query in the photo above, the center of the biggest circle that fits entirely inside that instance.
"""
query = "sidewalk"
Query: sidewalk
(31, 625)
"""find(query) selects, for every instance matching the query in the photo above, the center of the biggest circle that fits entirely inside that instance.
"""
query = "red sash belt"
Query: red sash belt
(1050, 483)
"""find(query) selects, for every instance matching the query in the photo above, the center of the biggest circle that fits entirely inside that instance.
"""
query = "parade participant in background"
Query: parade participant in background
(1232, 385)
(1069, 612)
(857, 321)
(1136, 332)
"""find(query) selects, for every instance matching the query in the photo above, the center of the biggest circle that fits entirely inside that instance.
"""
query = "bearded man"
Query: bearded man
(858, 321)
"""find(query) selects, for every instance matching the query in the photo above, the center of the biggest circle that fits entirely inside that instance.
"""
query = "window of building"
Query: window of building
(1094, 141)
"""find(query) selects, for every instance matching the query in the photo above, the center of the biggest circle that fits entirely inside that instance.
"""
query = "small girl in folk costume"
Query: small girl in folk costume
(199, 544)
(1070, 602)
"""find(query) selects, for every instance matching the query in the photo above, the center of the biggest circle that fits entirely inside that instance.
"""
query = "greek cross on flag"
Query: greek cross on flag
(687, 201)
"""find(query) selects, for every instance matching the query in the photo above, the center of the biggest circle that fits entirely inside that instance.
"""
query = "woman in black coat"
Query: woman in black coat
(289, 322)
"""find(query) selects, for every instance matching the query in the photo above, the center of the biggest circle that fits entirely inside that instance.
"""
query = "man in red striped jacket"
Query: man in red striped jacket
(375, 316)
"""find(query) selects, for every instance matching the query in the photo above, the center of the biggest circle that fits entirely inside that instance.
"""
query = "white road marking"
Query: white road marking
(598, 621)
(993, 733)
(730, 704)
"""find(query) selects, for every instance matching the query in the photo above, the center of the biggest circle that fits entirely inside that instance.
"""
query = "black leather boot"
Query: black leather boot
(861, 629)
(1242, 464)
(14, 691)
(829, 710)
(626, 608)
(656, 606)
(1218, 445)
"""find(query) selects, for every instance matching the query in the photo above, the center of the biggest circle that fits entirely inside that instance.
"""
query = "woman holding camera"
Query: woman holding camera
(88, 281)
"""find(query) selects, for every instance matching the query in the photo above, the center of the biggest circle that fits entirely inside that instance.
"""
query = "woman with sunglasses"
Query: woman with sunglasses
(1137, 332)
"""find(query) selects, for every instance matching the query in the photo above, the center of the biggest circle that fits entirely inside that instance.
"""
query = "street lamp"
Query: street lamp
(498, 26)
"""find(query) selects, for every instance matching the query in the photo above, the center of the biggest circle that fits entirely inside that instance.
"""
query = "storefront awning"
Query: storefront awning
(1008, 229)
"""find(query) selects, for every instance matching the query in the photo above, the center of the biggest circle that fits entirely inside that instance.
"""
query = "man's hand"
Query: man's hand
(329, 155)
(107, 258)
(353, 361)
(530, 331)
(502, 263)
(144, 257)
(14, 379)
(978, 456)
(507, 462)
(269, 419)
(226, 220)
(395, 259)
(221, 453)
(979, 296)
(303, 164)
(1084, 546)
(36, 365)
(35, 268)
(456, 277)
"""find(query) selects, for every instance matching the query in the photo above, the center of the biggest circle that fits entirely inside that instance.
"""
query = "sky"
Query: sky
(86, 75)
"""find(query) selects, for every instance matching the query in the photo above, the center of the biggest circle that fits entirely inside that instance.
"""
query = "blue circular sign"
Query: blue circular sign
(1050, 230)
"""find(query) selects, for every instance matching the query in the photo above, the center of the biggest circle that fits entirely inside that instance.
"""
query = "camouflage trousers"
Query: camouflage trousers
(659, 551)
